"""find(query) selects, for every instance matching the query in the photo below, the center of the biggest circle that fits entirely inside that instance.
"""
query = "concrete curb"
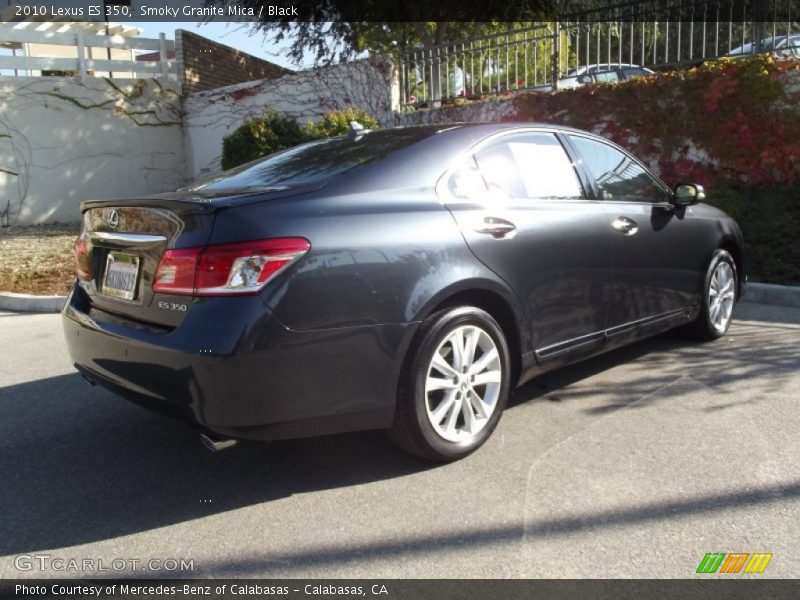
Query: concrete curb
(31, 303)
(769, 293)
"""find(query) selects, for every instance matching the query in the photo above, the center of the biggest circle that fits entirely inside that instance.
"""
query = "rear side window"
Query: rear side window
(529, 166)
(607, 76)
(634, 72)
(466, 182)
(313, 163)
(500, 171)
(618, 176)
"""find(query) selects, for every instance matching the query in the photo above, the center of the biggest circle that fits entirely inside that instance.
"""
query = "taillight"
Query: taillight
(83, 263)
(226, 269)
(176, 271)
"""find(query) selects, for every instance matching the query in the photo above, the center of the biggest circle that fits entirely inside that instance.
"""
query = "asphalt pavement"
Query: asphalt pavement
(632, 464)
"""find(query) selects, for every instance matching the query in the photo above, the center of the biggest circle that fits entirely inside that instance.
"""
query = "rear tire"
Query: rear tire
(454, 386)
(719, 298)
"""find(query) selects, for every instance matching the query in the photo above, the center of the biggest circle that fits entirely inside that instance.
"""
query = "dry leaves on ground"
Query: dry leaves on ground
(38, 259)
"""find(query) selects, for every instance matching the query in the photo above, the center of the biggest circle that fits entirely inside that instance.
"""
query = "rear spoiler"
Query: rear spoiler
(177, 203)
(197, 203)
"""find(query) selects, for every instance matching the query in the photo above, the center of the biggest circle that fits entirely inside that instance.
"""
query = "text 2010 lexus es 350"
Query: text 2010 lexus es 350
(404, 279)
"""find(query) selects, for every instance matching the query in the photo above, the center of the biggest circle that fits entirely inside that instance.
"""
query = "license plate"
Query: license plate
(122, 273)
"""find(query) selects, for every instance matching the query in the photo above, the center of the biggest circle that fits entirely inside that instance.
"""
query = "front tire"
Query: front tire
(719, 298)
(454, 387)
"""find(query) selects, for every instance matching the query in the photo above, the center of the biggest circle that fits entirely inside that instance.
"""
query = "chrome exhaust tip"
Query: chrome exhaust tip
(216, 444)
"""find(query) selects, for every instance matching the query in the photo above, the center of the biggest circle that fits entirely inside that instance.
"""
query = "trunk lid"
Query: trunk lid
(125, 240)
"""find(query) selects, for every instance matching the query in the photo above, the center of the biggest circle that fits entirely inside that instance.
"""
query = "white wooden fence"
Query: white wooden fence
(82, 64)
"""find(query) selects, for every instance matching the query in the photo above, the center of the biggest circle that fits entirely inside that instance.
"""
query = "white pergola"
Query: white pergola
(52, 31)
(14, 35)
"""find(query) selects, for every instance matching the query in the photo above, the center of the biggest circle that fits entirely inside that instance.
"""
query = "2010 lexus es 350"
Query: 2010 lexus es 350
(403, 279)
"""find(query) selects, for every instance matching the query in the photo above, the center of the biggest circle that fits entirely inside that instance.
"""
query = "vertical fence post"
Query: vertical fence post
(79, 42)
(759, 30)
(403, 72)
(556, 55)
(488, 50)
(162, 54)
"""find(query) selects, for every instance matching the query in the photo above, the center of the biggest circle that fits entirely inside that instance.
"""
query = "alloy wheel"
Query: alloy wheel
(463, 383)
(721, 295)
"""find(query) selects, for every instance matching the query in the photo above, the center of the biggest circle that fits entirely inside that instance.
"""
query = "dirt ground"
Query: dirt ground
(38, 259)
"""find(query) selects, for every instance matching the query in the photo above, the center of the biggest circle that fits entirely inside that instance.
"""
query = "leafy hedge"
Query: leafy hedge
(337, 122)
(273, 132)
(261, 136)
(729, 122)
(770, 222)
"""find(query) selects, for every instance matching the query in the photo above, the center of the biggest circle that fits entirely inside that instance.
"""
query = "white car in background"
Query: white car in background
(780, 45)
(602, 73)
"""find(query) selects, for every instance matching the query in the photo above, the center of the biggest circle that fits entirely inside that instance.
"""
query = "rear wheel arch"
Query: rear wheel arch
(497, 306)
(416, 426)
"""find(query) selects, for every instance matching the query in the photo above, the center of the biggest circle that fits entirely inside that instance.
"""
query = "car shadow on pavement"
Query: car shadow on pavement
(763, 351)
(80, 465)
(294, 564)
(554, 386)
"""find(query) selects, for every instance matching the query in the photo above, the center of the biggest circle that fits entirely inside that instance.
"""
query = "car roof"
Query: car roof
(770, 43)
(603, 66)
(423, 162)
(466, 134)
(489, 127)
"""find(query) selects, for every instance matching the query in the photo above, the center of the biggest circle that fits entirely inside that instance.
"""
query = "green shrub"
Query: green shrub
(337, 122)
(273, 132)
(261, 136)
(769, 219)
(728, 122)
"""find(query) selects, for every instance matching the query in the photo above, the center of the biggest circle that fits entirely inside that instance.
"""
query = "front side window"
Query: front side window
(789, 47)
(618, 176)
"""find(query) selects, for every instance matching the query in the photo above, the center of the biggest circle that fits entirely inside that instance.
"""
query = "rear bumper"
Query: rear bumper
(232, 368)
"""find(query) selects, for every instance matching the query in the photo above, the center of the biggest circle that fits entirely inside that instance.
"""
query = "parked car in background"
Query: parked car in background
(403, 279)
(600, 67)
(602, 73)
(780, 46)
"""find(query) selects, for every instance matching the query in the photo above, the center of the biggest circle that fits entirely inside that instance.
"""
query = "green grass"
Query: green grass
(770, 222)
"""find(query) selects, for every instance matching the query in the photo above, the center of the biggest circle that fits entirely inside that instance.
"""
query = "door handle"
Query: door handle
(496, 227)
(625, 225)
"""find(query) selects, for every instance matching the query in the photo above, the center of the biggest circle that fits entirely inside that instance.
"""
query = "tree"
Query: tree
(337, 30)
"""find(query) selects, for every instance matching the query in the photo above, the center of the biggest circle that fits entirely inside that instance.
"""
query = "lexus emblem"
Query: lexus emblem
(113, 219)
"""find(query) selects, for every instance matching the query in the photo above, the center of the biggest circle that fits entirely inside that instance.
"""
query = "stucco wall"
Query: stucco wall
(474, 112)
(63, 140)
(305, 95)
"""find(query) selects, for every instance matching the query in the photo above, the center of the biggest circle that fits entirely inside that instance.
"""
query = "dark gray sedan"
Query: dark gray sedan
(404, 279)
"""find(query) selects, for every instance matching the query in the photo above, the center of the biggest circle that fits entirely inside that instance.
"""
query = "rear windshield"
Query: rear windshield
(313, 163)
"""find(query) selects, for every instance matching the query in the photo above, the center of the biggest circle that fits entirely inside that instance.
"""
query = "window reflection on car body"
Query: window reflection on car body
(618, 175)
(313, 163)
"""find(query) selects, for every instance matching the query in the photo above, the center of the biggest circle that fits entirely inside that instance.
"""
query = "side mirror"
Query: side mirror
(687, 194)
(585, 79)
